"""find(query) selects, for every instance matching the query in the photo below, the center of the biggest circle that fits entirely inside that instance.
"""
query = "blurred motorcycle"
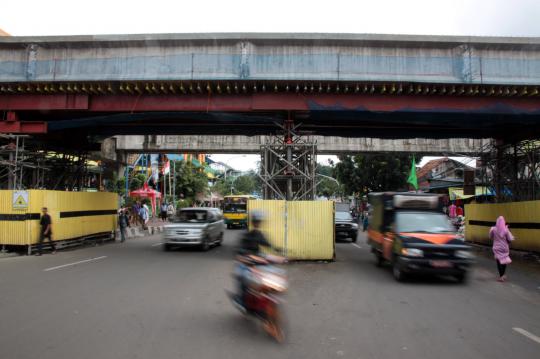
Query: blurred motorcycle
(264, 283)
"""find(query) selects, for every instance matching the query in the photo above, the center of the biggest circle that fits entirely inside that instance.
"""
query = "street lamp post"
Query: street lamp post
(232, 185)
(225, 172)
(329, 178)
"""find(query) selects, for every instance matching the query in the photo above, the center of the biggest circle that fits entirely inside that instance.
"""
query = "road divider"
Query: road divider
(74, 263)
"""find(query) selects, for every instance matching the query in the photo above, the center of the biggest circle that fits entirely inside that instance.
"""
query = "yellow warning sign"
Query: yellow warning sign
(20, 200)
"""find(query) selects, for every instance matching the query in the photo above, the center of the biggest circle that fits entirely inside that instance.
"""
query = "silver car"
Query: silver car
(194, 227)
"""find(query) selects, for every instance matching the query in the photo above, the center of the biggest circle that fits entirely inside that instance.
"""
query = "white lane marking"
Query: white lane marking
(74, 263)
(356, 245)
(156, 244)
(527, 334)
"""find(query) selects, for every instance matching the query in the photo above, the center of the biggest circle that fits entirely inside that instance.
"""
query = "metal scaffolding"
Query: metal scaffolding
(512, 169)
(26, 164)
(288, 165)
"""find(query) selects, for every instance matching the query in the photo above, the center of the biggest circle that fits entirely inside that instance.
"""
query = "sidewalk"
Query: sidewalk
(524, 270)
(154, 226)
(8, 254)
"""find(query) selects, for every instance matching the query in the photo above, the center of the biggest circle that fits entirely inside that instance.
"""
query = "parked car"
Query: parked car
(194, 227)
(345, 226)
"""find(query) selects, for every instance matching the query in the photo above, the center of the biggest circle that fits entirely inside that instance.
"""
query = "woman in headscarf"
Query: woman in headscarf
(501, 236)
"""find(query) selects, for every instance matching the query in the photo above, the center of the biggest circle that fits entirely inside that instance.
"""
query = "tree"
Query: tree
(137, 182)
(118, 186)
(190, 180)
(327, 187)
(222, 187)
(244, 184)
(368, 173)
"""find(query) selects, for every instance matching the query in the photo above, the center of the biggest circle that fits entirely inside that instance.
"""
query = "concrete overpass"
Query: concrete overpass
(325, 145)
(344, 85)
(121, 59)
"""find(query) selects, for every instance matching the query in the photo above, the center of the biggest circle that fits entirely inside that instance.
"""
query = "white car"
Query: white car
(194, 227)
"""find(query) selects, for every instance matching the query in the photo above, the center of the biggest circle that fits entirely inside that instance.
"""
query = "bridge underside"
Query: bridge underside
(327, 145)
(76, 116)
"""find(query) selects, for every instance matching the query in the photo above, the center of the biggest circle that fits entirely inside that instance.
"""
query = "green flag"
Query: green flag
(413, 180)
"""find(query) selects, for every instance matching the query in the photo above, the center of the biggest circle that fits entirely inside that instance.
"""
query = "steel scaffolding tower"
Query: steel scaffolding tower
(26, 164)
(288, 165)
(513, 169)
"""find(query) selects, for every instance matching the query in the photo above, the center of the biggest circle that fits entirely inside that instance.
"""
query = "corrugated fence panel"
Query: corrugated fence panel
(305, 228)
(523, 219)
(37, 202)
(73, 215)
(310, 230)
(274, 224)
(11, 231)
(79, 213)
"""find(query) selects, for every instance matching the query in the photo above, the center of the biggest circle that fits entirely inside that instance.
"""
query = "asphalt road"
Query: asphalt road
(133, 300)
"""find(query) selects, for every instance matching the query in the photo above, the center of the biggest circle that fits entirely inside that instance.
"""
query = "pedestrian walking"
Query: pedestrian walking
(45, 231)
(123, 223)
(145, 215)
(170, 210)
(135, 209)
(501, 237)
(365, 222)
(163, 212)
(452, 211)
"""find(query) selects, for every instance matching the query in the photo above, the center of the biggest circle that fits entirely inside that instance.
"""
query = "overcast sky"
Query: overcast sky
(435, 17)
(441, 17)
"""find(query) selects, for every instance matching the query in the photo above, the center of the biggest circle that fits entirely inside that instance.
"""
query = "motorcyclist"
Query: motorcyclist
(249, 253)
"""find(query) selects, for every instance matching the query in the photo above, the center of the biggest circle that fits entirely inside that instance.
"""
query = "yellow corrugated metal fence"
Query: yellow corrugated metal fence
(73, 215)
(304, 228)
(523, 219)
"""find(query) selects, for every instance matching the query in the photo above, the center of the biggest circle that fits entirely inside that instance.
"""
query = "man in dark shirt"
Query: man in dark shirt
(45, 231)
(252, 241)
(123, 223)
(250, 245)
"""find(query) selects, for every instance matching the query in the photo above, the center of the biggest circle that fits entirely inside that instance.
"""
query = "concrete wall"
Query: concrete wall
(303, 57)
(326, 144)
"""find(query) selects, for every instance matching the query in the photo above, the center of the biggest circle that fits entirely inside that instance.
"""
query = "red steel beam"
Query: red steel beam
(19, 127)
(301, 102)
(267, 102)
(44, 102)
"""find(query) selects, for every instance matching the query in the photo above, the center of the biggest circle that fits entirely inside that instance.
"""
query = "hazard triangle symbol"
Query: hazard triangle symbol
(20, 201)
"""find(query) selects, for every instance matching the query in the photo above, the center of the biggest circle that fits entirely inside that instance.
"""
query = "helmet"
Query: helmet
(256, 216)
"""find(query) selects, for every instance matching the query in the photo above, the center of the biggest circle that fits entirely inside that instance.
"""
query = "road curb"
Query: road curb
(134, 232)
(9, 255)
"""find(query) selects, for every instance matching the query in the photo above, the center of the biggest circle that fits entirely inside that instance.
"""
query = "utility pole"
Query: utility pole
(164, 197)
(174, 183)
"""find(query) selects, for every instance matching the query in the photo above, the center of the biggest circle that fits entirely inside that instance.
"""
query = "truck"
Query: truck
(410, 231)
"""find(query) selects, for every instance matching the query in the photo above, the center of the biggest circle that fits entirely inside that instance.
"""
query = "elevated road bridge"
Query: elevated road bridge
(363, 86)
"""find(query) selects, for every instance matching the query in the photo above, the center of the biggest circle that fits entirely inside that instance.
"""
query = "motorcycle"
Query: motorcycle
(265, 282)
